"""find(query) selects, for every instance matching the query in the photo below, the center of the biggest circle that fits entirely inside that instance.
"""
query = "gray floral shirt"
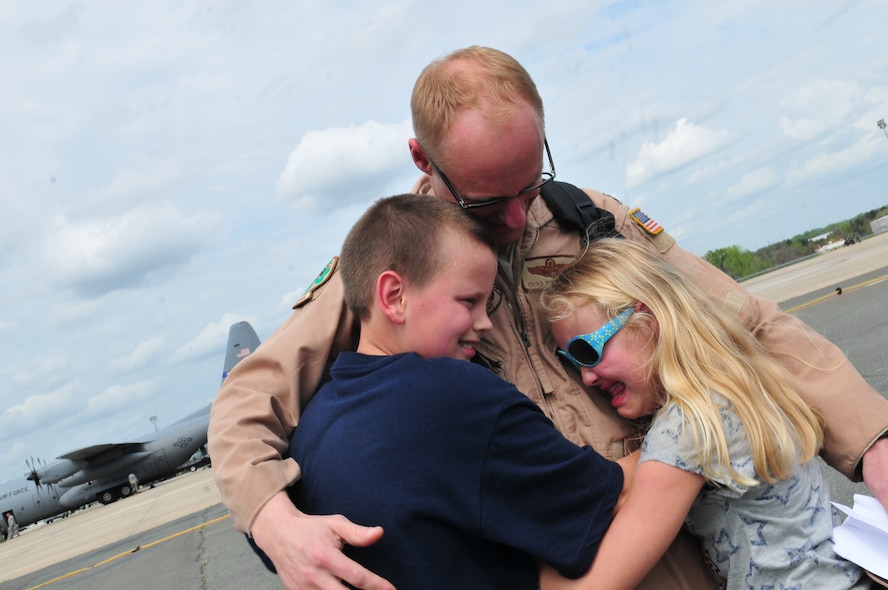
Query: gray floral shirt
(769, 536)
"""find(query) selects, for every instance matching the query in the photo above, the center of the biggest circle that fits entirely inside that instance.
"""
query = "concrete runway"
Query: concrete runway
(178, 535)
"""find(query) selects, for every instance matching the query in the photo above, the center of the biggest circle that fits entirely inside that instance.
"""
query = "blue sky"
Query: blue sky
(169, 168)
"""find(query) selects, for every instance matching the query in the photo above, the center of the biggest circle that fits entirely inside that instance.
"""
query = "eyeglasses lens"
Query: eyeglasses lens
(583, 352)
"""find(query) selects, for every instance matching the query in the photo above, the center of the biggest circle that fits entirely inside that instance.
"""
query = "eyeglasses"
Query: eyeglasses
(470, 204)
(586, 350)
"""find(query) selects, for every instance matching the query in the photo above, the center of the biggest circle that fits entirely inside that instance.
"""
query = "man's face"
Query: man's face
(483, 161)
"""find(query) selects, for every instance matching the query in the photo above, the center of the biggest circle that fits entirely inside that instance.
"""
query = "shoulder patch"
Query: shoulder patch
(314, 289)
(646, 223)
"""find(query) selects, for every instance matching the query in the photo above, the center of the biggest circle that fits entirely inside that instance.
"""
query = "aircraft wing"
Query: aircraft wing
(103, 452)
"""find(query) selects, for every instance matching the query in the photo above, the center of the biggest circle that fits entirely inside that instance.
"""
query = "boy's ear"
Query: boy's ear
(390, 290)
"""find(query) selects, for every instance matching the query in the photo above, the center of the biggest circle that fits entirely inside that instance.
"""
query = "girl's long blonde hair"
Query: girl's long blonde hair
(700, 349)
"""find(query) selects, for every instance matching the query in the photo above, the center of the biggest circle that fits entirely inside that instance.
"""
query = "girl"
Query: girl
(730, 445)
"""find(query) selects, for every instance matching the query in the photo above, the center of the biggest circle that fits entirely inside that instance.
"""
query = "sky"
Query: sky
(170, 168)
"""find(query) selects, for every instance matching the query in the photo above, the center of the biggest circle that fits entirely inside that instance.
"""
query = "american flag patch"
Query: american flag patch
(646, 223)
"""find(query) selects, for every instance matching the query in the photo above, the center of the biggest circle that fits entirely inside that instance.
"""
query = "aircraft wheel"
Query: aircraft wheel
(107, 497)
(125, 490)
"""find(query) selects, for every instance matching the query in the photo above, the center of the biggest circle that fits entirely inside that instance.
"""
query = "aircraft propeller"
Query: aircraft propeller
(32, 467)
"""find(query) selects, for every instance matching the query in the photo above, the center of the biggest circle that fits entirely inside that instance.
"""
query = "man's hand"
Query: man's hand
(875, 470)
(307, 550)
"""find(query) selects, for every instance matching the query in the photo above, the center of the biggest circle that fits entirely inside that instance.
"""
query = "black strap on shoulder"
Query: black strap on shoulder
(573, 207)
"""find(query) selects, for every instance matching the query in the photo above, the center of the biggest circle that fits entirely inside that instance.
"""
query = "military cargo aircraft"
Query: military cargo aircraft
(101, 472)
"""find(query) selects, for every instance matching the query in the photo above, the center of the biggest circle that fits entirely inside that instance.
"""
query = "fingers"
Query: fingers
(307, 550)
(357, 535)
(344, 568)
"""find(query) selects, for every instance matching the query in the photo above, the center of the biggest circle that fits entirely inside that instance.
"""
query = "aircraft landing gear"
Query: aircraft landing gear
(107, 497)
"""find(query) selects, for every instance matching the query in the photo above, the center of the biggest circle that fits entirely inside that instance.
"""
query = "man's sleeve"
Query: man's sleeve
(856, 415)
(261, 399)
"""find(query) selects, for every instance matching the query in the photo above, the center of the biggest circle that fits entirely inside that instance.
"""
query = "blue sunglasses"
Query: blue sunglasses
(586, 350)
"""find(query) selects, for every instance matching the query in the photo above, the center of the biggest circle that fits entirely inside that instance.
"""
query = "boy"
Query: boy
(468, 479)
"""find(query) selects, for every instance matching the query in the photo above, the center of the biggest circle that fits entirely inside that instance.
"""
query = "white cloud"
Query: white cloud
(211, 340)
(818, 108)
(825, 164)
(877, 95)
(801, 129)
(37, 410)
(331, 163)
(130, 186)
(755, 181)
(144, 354)
(52, 367)
(686, 143)
(101, 255)
(70, 312)
(703, 173)
(116, 397)
(14, 452)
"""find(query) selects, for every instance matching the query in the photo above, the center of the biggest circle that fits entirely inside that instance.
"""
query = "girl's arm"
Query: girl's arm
(629, 463)
(640, 533)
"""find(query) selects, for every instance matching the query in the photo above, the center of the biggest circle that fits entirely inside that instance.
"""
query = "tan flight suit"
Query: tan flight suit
(261, 399)
(12, 529)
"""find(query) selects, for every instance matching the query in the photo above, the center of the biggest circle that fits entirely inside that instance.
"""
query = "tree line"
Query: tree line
(739, 262)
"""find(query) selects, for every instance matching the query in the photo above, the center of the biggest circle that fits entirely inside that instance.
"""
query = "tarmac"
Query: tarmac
(178, 535)
(844, 266)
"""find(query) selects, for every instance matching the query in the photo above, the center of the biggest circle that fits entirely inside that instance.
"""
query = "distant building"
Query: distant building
(879, 225)
(828, 247)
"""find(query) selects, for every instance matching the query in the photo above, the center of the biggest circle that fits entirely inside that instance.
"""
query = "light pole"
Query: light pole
(154, 421)
(882, 125)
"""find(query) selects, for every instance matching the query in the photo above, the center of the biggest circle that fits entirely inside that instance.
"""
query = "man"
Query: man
(133, 482)
(12, 529)
(480, 141)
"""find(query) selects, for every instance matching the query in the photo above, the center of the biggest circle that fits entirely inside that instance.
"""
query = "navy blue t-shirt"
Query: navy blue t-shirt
(471, 482)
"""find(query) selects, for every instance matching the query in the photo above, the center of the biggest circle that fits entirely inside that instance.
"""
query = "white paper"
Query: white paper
(863, 537)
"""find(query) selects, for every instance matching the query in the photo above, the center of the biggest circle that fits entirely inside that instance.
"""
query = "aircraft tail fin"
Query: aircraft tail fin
(242, 341)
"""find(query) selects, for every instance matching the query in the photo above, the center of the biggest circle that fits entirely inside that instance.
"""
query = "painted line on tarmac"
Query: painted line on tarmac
(131, 551)
(834, 294)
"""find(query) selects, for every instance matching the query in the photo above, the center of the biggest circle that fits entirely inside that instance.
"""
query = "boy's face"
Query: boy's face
(446, 317)
(622, 372)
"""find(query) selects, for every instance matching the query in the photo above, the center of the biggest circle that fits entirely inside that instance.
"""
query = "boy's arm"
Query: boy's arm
(652, 515)
(856, 415)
